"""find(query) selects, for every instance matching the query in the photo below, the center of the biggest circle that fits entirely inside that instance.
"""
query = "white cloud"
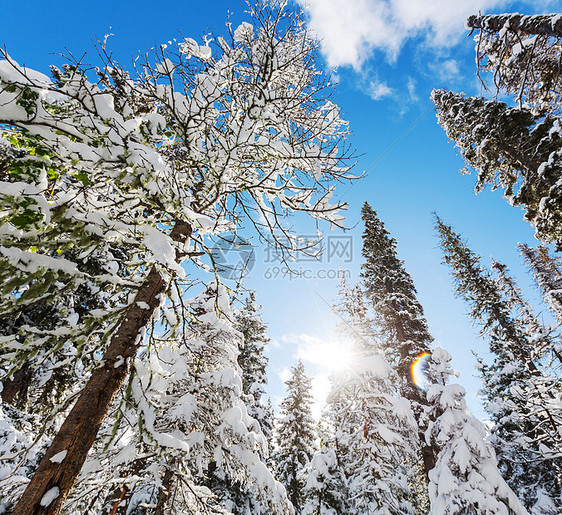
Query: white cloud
(413, 96)
(448, 69)
(379, 90)
(351, 31)
(284, 374)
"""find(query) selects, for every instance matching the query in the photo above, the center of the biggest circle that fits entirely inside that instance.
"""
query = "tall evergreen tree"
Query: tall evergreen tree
(296, 436)
(545, 338)
(253, 363)
(238, 496)
(397, 314)
(391, 294)
(519, 397)
(516, 148)
(510, 148)
(371, 423)
(325, 488)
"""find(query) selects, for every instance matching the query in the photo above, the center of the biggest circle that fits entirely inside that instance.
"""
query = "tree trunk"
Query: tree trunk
(419, 402)
(79, 430)
(165, 491)
(17, 385)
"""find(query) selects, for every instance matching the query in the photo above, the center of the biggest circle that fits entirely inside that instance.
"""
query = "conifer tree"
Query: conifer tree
(512, 149)
(371, 424)
(253, 363)
(397, 314)
(516, 148)
(544, 337)
(547, 271)
(325, 490)
(466, 478)
(374, 428)
(238, 497)
(296, 437)
(391, 294)
(519, 396)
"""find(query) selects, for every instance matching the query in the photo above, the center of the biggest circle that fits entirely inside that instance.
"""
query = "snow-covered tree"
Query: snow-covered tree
(547, 271)
(544, 338)
(236, 496)
(140, 170)
(510, 148)
(522, 400)
(253, 362)
(371, 427)
(390, 292)
(325, 491)
(296, 436)
(397, 314)
(466, 478)
(518, 149)
(372, 430)
(185, 399)
(523, 53)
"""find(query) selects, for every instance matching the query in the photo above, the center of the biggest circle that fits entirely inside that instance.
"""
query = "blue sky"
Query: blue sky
(386, 57)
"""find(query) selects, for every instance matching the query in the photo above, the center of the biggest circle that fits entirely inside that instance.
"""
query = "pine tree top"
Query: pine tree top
(390, 290)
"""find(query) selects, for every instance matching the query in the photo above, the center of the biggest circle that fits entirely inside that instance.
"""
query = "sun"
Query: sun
(339, 356)
(334, 356)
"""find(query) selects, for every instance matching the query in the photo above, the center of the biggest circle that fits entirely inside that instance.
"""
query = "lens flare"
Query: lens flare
(418, 371)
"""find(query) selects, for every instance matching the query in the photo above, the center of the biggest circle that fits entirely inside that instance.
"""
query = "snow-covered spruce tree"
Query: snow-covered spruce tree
(372, 439)
(152, 163)
(521, 399)
(325, 491)
(547, 271)
(296, 436)
(391, 293)
(371, 425)
(397, 313)
(523, 53)
(187, 404)
(465, 479)
(512, 149)
(545, 338)
(253, 363)
(237, 497)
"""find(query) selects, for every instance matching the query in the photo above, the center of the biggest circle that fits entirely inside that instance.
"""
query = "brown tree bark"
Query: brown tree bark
(80, 428)
(17, 386)
(165, 491)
